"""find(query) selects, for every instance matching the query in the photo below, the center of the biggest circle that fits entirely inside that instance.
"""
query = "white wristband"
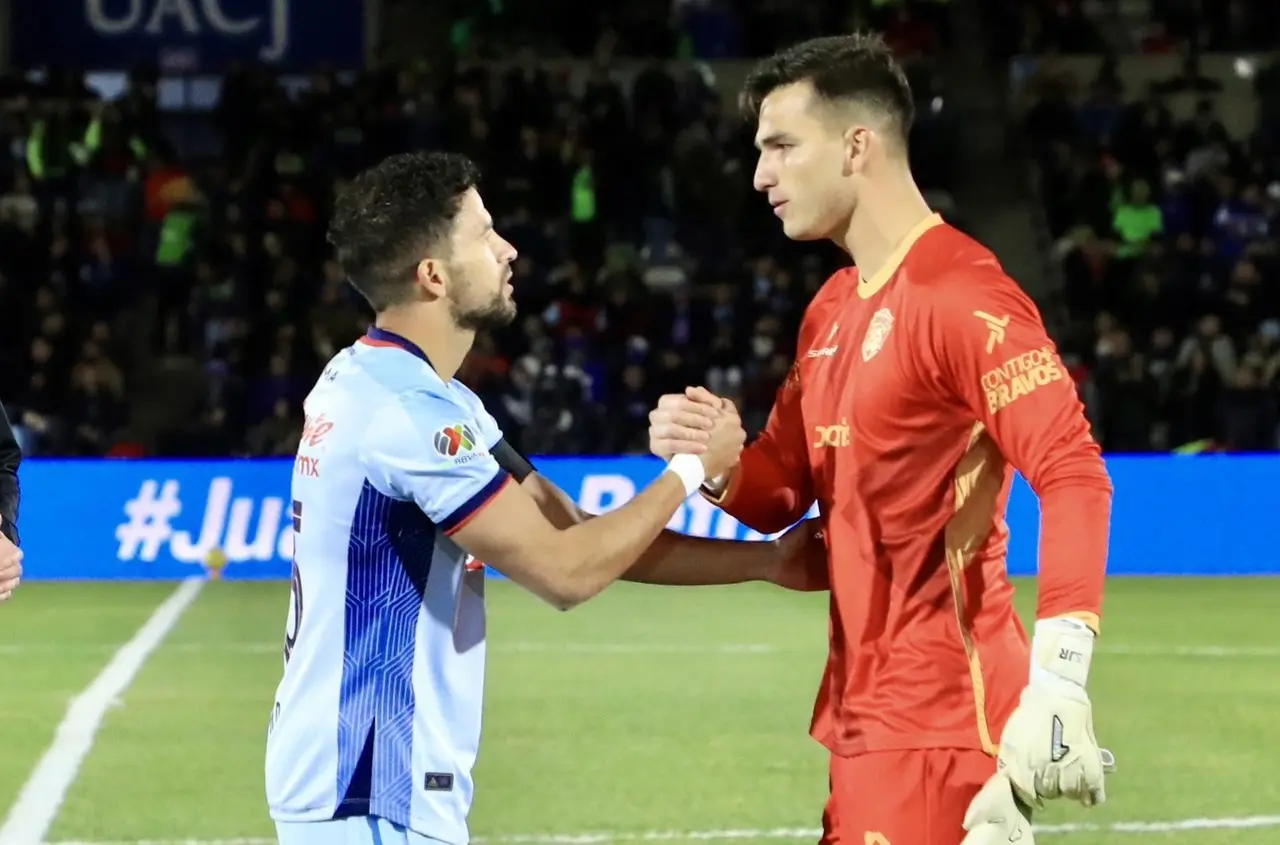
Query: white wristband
(1061, 650)
(690, 471)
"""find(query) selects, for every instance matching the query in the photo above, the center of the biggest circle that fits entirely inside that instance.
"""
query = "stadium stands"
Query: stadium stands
(181, 302)
(178, 301)
(1157, 167)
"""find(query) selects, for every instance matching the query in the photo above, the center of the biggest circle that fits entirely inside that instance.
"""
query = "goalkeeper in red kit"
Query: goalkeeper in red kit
(923, 379)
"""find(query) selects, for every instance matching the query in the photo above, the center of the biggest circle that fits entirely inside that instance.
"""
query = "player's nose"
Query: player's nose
(764, 178)
(508, 254)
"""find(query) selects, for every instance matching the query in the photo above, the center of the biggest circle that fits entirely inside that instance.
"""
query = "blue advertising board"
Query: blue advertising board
(188, 36)
(105, 519)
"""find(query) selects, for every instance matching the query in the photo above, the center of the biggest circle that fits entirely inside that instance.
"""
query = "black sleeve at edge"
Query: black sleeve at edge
(10, 459)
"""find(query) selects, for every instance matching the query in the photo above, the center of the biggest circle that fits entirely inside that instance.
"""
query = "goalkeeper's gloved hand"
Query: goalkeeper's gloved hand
(1048, 749)
(996, 817)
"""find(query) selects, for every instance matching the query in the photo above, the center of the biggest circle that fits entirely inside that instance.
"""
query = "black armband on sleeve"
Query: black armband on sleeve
(512, 461)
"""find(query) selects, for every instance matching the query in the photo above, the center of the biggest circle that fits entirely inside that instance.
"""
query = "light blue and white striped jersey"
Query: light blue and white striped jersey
(378, 712)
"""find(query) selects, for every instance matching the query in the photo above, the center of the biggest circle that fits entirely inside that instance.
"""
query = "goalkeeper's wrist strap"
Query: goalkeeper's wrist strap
(1061, 650)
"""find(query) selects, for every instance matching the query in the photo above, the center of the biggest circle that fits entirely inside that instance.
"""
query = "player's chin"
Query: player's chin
(800, 230)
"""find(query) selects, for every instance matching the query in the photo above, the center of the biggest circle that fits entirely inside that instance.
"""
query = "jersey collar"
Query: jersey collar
(869, 286)
(381, 337)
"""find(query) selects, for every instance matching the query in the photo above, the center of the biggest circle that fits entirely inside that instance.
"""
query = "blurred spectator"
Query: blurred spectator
(1137, 219)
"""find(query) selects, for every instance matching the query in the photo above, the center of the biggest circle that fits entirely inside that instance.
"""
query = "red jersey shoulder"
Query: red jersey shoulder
(982, 291)
(983, 329)
(943, 253)
(959, 277)
(968, 312)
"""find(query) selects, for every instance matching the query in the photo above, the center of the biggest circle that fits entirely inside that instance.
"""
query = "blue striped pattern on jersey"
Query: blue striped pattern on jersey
(388, 561)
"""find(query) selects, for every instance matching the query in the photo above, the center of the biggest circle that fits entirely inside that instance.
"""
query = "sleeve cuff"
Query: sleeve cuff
(465, 512)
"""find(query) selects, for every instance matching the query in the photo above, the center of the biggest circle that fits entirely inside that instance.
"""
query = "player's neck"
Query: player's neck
(442, 341)
(884, 216)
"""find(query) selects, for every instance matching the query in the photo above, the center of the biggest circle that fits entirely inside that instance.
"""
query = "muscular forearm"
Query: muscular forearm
(601, 550)
(681, 561)
(674, 559)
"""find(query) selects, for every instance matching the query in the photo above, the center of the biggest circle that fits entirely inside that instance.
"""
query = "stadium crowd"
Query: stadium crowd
(646, 263)
(1153, 27)
(1167, 237)
(630, 206)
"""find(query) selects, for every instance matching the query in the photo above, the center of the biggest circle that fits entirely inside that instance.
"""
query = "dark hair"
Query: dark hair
(858, 68)
(390, 216)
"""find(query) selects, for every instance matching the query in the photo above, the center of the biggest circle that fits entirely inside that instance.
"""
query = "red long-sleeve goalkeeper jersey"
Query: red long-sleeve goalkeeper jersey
(915, 394)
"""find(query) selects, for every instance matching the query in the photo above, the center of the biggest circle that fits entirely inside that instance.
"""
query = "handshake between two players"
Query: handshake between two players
(1047, 748)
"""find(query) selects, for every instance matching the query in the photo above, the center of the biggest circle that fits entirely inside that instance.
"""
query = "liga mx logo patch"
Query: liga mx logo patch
(452, 440)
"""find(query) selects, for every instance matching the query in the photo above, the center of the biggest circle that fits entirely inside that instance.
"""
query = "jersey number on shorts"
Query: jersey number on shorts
(295, 618)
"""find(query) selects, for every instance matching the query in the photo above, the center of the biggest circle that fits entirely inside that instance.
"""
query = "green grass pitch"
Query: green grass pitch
(648, 714)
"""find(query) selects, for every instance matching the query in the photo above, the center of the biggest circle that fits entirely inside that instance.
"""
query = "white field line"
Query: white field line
(1209, 652)
(42, 795)
(781, 833)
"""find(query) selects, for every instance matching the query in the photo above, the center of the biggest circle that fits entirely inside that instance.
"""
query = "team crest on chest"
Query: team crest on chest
(877, 333)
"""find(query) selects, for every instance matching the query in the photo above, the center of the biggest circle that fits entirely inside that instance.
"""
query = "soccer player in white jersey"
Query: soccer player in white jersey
(401, 482)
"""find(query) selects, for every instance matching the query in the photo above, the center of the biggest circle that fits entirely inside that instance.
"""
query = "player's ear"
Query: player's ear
(432, 278)
(857, 140)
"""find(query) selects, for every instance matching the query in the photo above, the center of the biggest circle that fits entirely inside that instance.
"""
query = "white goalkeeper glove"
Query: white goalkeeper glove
(1048, 749)
(996, 817)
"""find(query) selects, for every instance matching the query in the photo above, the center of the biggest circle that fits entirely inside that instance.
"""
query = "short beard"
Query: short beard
(497, 313)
